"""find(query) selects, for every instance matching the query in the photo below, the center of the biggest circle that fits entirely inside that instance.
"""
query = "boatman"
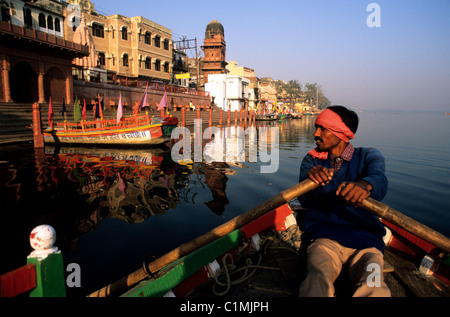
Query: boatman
(339, 232)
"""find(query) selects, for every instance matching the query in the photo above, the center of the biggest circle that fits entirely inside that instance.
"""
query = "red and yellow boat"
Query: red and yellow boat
(131, 131)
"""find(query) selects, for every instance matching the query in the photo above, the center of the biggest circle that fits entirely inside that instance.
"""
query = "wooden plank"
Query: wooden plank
(183, 268)
(18, 281)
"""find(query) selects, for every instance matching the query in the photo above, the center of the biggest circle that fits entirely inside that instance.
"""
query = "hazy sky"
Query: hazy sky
(404, 64)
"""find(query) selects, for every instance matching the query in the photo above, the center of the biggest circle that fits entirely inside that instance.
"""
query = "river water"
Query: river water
(113, 208)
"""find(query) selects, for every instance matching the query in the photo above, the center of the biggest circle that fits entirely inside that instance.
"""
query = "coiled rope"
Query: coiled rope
(229, 268)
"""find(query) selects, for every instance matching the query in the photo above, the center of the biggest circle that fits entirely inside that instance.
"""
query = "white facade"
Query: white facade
(217, 88)
(229, 92)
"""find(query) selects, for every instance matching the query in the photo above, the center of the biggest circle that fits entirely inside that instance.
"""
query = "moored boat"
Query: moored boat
(131, 131)
(296, 115)
(266, 117)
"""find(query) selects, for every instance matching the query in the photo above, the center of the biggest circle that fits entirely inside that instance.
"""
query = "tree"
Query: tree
(291, 92)
(315, 96)
(288, 92)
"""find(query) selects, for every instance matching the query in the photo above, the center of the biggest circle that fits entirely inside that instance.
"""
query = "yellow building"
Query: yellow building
(125, 48)
(268, 92)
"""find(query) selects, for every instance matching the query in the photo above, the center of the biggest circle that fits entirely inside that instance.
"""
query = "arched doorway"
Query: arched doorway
(55, 85)
(24, 83)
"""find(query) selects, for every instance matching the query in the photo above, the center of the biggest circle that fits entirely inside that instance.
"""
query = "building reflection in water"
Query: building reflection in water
(126, 184)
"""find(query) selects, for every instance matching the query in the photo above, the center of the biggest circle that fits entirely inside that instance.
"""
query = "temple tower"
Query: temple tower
(214, 50)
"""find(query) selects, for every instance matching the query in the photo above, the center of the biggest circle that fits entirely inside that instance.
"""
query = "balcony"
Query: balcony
(20, 32)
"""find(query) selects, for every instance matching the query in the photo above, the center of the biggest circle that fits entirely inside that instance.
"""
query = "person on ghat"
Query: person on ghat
(338, 231)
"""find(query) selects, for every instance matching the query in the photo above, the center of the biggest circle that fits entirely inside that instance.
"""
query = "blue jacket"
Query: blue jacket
(329, 217)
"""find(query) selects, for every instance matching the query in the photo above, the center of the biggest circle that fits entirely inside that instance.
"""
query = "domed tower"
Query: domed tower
(214, 50)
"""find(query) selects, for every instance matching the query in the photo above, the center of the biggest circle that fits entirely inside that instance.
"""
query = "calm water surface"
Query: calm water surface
(112, 208)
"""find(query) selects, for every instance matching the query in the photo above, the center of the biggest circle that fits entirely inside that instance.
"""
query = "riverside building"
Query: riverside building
(124, 48)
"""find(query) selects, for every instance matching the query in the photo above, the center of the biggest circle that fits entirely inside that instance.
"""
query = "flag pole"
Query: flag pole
(50, 114)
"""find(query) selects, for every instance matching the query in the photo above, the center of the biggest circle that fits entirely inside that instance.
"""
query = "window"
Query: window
(157, 41)
(50, 22)
(125, 60)
(6, 16)
(125, 34)
(148, 63)
(166, 67)
(166, 44)
(27, 19)
(158, 65)
(42, 22)
(101, 59)
(98, 30)
(57, 25)
(148, 38)
(112, 32)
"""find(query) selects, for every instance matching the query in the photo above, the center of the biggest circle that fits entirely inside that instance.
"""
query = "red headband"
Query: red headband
(331, 121)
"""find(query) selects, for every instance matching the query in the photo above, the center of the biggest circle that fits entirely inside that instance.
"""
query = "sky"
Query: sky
(402, 63)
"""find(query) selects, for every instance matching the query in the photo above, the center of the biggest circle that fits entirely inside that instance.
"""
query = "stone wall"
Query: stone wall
(131, 95)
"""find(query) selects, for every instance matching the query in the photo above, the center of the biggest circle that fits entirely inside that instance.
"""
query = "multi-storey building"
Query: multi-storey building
(126, 48)
(35, 57)
(180, 70)
(268, 92)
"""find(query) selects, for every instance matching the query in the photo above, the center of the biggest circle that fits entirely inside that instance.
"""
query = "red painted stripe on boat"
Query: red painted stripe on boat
(18, 281)
(274, 218)
(422, 244)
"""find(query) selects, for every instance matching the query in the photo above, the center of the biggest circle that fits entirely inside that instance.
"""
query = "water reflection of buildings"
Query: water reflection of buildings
(126, 184)
(129, 185)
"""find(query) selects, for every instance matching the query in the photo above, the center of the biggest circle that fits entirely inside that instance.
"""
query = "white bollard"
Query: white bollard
(42, 240)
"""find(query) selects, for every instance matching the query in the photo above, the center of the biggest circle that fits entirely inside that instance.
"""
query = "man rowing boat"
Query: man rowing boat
(341, 233)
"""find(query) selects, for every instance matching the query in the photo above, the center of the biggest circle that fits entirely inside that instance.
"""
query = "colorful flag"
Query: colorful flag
(122, 185)
(97, 111)
(136, 108)
(83, 113)
(119, 109)
(64, 110)
(50, 112)
(100, 106)
(143, 102)
(76, 111)
(163, 102)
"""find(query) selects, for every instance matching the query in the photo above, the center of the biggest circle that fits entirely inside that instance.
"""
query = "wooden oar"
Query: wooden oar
(235, 223)
(395, 217)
